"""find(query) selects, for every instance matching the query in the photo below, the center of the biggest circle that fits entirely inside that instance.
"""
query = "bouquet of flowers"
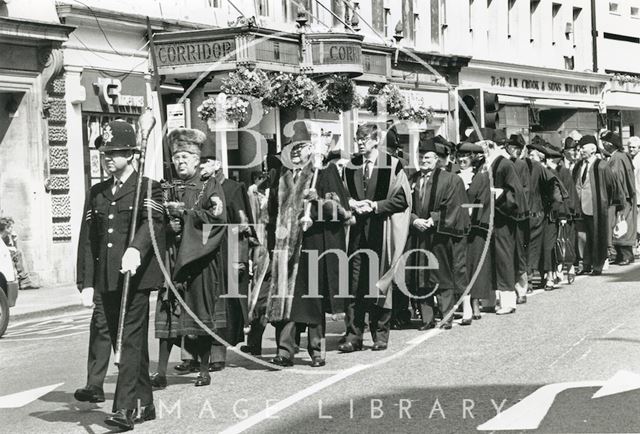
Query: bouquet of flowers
(341, 94)
(289, 91)
(236, 109)
(396, 102)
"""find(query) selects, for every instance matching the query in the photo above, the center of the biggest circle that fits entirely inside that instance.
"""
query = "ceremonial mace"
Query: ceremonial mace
(146, 122)
(318, 158)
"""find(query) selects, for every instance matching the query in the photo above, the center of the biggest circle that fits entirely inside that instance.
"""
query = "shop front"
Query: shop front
(622, 99)
(534, 101)
(203, 61)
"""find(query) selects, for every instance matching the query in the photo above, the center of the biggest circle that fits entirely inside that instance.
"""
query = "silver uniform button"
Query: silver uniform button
(110, 216)
(109, 244)
(113, 203)
(110, 230)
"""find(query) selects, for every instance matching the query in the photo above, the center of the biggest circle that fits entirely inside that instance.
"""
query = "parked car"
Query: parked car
(8, 285)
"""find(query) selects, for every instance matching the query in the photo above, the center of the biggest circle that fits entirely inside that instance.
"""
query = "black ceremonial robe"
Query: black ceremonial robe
(442, 201)
(482, 269)
(622, 170)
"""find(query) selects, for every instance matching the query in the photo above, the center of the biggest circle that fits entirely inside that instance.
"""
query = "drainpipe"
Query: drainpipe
(594, 36)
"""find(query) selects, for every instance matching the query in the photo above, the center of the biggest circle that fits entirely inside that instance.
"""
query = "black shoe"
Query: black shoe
(428, 326)
(522, 299)
(379, 346)
(251, 350)
(349, 347)
(466, 322)
(476, 317)
(89, 394)
(187, 366)
(318, 362)
(395, 325)
(122, 419)
(530, 290)
(596, 272)
(158, 381)
(584, 271)
(446, 326)
(203, 380)
(281, 361)
(216, 366)
(147, 413)
(624, 262)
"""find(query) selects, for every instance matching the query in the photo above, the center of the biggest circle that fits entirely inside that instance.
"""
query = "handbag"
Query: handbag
(563, 249)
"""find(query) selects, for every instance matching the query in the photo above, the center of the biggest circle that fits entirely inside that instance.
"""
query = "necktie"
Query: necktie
(423, 187)
(117, 186)
(584, 173)
(296, 174)
(367, 174)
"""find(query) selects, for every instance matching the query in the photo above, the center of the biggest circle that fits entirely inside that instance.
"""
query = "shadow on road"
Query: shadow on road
(462, 409)
(85, 415)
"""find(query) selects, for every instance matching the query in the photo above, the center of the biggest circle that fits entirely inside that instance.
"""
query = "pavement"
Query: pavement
(567, 361)
(45, 301)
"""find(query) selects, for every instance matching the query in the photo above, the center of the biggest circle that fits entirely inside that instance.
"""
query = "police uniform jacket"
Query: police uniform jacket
(105, 231)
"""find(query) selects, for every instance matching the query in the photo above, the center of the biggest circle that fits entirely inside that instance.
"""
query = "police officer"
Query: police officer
(107, 222)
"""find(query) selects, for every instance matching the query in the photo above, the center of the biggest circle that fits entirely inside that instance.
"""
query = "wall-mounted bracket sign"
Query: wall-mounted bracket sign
(109, 94)
(332, 53)
(195, 52)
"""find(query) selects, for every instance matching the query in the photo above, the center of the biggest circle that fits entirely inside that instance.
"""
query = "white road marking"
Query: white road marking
(341, 375)
(289, 401)
(529, 413)
(20, 399)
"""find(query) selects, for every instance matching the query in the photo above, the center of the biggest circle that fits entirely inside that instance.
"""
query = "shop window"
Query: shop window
(93, 123)
(614, 8)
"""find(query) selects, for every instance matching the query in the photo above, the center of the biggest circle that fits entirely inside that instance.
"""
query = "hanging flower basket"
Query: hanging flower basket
(396, 102)
(244, 82)
(236, 109)
(341, 95)
(289, 91)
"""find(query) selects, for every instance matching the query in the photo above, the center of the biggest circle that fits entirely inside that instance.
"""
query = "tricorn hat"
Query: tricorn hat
(186, 140)
(117, 135)
(612, 138)
(588, 139)
(469, 147)
(516, 140)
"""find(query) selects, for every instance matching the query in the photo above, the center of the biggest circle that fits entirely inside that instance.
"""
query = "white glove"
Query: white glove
(87, 297)
(130, 261)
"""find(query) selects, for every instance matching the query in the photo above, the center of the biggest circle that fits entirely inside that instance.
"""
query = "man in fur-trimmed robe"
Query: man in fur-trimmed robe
(622, 168)
(305, 282)
(439, 225)
(381, 199)
(597, 190)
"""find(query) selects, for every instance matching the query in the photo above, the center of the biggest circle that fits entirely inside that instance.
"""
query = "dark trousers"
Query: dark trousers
(133, 373)
(288, 338)
(357, 308)
(99, 345)
(536, 240)
(624, 253)
(522, 247)
(446, 301)
(504, 244)
(588, 254)
(400, 306)
(549, 237)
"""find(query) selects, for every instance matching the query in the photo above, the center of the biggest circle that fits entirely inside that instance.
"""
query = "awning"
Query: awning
(547, 102)
(622, 100)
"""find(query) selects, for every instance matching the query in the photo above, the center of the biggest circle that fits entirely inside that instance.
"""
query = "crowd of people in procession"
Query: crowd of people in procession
(471, 228)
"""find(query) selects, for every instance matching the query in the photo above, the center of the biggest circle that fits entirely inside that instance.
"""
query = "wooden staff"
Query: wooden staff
(146, 123)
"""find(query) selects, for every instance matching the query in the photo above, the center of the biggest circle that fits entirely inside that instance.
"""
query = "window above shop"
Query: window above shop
(635, 12)
(614, 8)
